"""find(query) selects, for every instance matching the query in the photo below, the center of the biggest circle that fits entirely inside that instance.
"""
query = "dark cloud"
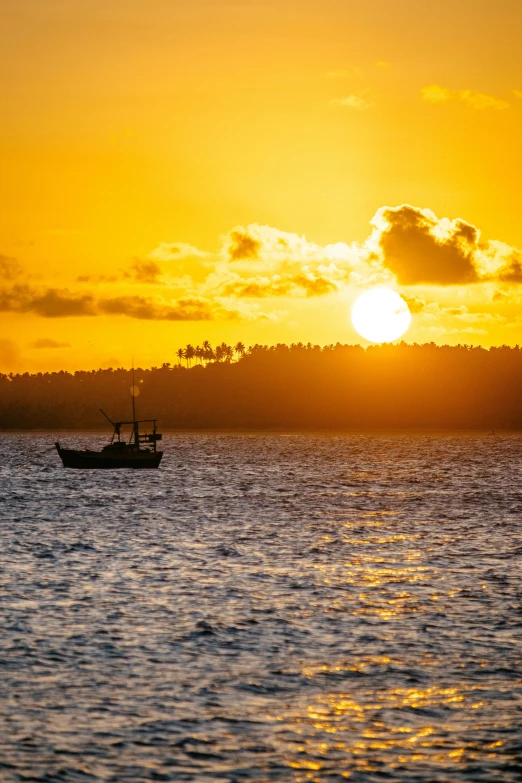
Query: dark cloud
(243, 246)
(512, 271)
(145, 271)
(149, 310)
(416, 251)
(257, 289)
(9, 268)
(46, 342)
(287, 285)
(315, 285)
(57, 304)
(52, 303)
(96, 279)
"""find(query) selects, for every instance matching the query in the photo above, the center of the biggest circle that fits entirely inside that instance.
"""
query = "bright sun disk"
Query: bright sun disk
(381, 315)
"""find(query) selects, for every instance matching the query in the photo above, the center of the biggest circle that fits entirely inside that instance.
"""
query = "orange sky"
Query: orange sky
(163, 162)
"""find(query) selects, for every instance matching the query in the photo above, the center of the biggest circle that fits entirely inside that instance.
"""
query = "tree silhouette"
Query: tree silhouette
(208, 353)
(286, 387)
(189, 354)
(239, 349)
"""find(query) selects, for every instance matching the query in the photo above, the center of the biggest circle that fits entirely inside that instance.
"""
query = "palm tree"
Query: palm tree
(228, 352)
(199, 353)
(218, 353)
(180, 353)
(239, 348)
(208, 353)
(189, 353)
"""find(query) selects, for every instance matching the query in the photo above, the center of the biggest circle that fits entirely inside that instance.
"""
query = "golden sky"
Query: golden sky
(180, 171)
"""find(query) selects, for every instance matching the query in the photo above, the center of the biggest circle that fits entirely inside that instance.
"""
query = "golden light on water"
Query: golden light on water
(381, 315)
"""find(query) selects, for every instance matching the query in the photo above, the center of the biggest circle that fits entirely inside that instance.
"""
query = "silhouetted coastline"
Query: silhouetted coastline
(286, 388)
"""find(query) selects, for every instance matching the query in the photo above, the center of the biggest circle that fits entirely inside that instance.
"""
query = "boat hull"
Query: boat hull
(98, 460)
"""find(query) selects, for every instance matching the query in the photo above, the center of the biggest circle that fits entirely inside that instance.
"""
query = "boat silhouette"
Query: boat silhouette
(139, 451)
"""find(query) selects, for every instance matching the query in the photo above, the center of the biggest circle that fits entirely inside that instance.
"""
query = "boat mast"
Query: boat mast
(133, 395)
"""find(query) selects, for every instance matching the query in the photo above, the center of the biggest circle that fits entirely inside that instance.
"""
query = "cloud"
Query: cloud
(415, 304)
(306, 283)
(517, 93)
(53, 303)
(145, 271)
(9, 268)
(96, 279)
(50, 303)
(262, 261)
(408, 246)
(435, 94)
(147, 309)
(176, 251)
(242, 245)
(270, 246)
(419, 248)
(45, 342)
(511, 271)
(352, 102)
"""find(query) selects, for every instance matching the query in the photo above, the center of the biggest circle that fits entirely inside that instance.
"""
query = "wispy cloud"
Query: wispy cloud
(46, 342)
(352, 102)
(435, 94)
(176, 251)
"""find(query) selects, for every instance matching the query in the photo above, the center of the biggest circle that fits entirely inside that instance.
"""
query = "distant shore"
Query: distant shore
(285, 389)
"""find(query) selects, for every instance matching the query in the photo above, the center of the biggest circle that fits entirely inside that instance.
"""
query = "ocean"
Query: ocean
(263, 608)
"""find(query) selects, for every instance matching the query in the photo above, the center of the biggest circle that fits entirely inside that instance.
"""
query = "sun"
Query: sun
(381, 315)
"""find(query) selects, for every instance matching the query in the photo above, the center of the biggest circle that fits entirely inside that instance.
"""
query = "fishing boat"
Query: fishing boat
(136, 450)
(139, 451)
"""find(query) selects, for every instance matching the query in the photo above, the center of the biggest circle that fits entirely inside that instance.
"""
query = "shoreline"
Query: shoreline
(414, 431)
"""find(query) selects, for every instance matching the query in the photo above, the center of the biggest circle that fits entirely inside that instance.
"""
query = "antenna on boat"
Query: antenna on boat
(133, 393)
(134, 390)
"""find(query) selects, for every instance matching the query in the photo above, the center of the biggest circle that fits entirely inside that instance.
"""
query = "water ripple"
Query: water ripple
(290, 608)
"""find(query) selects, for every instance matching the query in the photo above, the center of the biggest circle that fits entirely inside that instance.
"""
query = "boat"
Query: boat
(139, 451)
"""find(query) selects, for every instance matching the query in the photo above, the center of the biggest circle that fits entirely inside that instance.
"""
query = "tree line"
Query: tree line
(284, 387)
(206, 353)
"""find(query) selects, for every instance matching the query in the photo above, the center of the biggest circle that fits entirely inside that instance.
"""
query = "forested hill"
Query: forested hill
(286, 388)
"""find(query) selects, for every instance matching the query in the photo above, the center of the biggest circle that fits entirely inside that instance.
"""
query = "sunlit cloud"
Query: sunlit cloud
(436, 94)
(175, 251)
(420, 248)
(352, 102)
(451, 277)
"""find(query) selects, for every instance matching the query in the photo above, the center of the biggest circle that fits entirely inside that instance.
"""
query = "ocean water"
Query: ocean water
(287, 608)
